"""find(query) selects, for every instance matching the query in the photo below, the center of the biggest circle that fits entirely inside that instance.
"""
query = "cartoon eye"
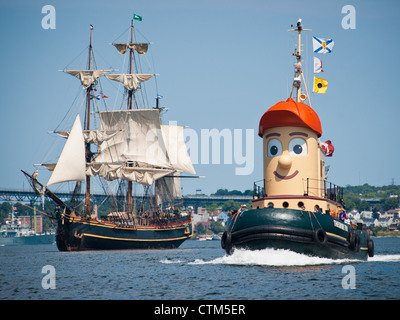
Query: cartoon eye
(274, 148)
(298, 147)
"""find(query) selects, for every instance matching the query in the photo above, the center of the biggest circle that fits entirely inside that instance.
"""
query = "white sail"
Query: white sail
(168, 188)
(130, 81)
(140, 139)
(176, 148)
(87, 77)
(141, 48)
(71, 165)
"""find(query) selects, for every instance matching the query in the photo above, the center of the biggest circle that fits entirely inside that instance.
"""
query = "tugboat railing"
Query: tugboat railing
(259, 191)
(329, 190)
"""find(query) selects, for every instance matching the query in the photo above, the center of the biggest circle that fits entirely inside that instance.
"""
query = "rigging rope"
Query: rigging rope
(25, 205)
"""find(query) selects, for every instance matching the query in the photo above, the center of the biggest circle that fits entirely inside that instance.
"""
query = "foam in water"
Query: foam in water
(385, 258)
(168, 261)
(270, 257)
(279, 258)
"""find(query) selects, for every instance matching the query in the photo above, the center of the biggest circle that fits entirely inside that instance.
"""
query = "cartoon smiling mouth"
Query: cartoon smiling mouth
(286, 177)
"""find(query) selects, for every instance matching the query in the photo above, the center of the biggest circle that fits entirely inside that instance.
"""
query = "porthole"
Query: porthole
(300, 204)
(285, 204)
(270, 205)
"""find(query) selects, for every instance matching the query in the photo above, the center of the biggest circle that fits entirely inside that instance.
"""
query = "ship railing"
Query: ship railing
(163, 221)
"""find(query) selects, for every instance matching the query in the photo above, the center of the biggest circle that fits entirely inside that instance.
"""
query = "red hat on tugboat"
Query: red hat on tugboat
(290, 113)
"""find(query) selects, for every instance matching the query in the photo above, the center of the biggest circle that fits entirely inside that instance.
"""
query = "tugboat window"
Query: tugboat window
(301, 204)
(270, 205)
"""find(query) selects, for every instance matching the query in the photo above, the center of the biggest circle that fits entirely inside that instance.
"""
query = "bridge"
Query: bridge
(30, 197)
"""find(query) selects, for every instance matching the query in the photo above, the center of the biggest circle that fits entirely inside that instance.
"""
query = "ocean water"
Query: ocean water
(198, 270)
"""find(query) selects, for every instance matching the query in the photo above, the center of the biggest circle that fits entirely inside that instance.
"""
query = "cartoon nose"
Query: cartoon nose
(285, 161)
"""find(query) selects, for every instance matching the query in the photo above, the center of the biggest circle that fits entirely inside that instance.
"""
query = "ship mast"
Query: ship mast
(87, 126)
(131, 68)
(299, 76)
(129, 107)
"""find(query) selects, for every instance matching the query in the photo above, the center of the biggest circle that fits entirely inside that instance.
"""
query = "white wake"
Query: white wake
(270, 257)
(278, 258)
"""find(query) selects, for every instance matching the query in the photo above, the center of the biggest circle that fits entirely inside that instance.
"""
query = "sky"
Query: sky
(221, 64)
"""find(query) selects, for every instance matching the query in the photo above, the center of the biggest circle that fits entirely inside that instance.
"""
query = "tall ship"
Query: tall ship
(135, 159)
(17, 230)
(295, 207)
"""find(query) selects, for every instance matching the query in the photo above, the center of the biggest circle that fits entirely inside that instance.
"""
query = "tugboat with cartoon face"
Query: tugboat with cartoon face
(295, 208)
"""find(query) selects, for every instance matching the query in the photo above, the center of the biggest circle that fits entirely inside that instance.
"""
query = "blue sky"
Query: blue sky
(221, 64)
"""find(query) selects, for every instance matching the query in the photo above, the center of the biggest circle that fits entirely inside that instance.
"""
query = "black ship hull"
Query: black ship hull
(79, 234)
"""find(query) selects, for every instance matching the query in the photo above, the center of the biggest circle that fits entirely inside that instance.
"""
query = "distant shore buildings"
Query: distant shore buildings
(389, 219)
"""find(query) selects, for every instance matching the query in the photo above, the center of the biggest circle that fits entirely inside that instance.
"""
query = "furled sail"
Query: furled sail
(140, 139)
(87, 77)
(113, 171)
(92, 136)
(122, 48)
(176, 148)
(71, 165)
(130, 81)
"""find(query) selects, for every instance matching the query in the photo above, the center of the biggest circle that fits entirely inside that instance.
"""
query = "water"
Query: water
(197, 270)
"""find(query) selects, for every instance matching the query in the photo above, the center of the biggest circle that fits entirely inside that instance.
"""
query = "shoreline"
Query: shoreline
(387, 234)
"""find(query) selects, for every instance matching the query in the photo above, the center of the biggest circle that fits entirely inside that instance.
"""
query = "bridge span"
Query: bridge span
(25, 196)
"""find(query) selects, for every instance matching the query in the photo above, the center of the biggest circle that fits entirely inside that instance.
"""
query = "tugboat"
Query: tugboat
(295, 208)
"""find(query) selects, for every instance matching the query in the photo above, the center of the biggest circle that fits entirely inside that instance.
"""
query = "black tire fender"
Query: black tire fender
(319, 236)
(226, 241)
(370, 245)
(354, 242)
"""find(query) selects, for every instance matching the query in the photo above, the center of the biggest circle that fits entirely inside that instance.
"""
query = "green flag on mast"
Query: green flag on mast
(136, 17)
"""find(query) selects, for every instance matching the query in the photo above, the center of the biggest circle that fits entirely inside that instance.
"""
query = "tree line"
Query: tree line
(355, 197)
(387, 197)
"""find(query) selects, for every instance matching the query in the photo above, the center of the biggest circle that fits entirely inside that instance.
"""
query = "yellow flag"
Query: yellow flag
(320, 85)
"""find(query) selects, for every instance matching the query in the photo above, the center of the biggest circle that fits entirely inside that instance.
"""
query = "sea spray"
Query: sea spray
(270, 257)
(281, 258)
(277, 258)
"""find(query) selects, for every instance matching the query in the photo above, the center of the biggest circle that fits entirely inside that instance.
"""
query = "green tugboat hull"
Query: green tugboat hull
(300, 231)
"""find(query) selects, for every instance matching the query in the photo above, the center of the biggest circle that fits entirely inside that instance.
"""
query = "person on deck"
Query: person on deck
(342, 216)
(243, 208)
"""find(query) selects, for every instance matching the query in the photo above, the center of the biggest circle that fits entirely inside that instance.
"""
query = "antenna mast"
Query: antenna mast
(298, 75)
